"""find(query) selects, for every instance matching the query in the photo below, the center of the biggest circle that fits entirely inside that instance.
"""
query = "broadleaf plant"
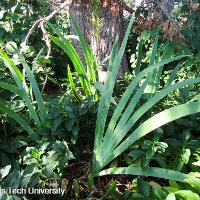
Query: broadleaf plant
(47, 154)
(22, 90)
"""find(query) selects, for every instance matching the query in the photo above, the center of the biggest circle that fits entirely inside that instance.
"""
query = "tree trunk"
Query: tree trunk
(166, 7)
(111, 29)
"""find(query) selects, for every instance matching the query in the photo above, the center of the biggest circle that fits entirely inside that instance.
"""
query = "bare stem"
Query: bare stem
(40, 24)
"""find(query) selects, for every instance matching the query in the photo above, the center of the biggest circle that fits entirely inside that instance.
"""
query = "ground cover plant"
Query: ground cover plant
(131, 136)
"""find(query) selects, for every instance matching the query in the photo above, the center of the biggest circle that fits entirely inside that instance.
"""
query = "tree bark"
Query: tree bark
(112, 28)
(166, 7)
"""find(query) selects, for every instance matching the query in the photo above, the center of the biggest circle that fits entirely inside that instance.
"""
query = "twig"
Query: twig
(127, 8)
(46, 38)
(35, 25)
(45, 82)
(40, 24)
(4, 128)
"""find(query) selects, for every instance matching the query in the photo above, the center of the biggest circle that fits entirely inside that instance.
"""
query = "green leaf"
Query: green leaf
(56, 123)
(173, 75)
(125, 97)
(139, 57)
(153, 79)
(76, 187)
(18, 119)
(9, 47)
(13, 178)
(106, 96)
(67, 46)
(34, 180)
(155, 122)
(151, 171)
(187, 195)
(100, 87)
(72, 84)
(87, 52)
(121, 132)
(159, 193)
(194, 183)
(17, 75)
(38, 95)
(143, 187)
(110, 189)
(23, 94)
(5, 196)
(185, 156)
(171, 196)
(29, 171)
(90, 182)
(4, 171)
(146, 127)
(135, 154)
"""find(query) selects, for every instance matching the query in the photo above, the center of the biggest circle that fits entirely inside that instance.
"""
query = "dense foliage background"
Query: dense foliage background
(49, 106)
